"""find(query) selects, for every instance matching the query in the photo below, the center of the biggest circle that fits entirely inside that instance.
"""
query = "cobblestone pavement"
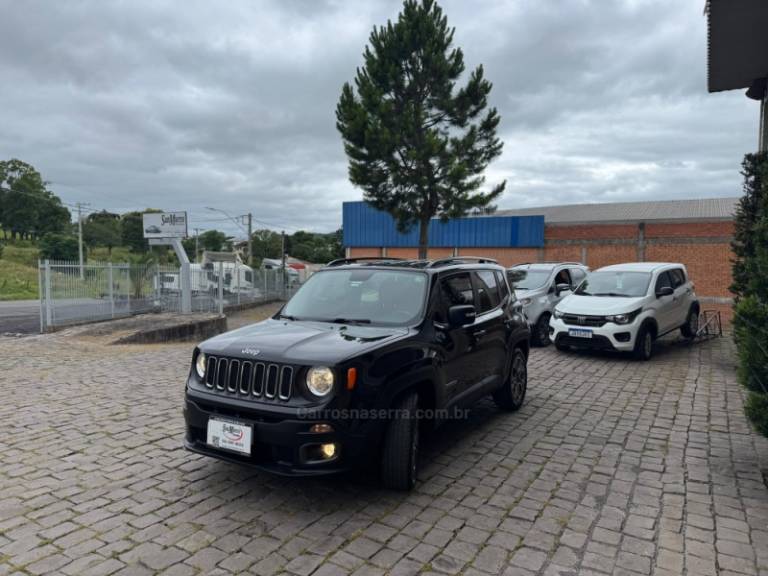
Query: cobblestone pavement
(612, 467)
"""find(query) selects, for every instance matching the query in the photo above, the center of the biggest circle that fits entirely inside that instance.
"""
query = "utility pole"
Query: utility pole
(249, 260)
(285, 272)
(197, 244)
(80, 236)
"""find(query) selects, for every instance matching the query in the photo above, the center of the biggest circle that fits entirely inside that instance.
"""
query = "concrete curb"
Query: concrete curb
(194, 329)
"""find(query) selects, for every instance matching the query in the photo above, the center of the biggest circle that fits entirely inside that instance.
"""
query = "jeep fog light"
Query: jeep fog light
(200, 365)
(320, 380)
(328, 450)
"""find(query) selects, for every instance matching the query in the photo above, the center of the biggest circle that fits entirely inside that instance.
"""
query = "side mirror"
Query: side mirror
(664, 291)
(461, 315)
(562, 288)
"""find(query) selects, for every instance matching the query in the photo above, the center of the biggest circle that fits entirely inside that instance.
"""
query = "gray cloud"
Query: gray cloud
(231, 105)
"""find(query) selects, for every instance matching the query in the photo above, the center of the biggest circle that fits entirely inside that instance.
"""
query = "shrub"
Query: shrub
(751, 334)
(750, 286)
(59, 247)
(756, 409)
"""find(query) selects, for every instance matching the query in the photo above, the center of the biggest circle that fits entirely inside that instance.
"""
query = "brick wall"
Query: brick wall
(704, 248)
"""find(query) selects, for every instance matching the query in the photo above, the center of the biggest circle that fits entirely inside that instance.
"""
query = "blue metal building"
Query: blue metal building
(366, 227)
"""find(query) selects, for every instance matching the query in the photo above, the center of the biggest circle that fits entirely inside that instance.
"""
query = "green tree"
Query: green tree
(27, 208)
(132, 230)
(754, 169)
(417, 144)
(213, 240)
(266, 244)
(750, 286)
(59, 247)
(102, 229)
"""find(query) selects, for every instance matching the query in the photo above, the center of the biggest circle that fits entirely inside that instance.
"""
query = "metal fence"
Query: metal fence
(71, 294)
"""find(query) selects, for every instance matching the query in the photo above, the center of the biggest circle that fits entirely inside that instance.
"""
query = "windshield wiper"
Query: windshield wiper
(611, 294)
(287, 317)
(350, 321)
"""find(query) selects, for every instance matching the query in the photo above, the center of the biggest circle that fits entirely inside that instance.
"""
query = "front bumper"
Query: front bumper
(280, 445)
(609, 336)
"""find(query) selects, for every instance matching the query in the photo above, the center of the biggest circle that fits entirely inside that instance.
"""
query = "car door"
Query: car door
(562, 277)
(577, 275)
(457, 343)
(683, 295)
(665, 305)
(490, 332)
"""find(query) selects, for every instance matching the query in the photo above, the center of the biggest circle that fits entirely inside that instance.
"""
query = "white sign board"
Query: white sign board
(165, 225)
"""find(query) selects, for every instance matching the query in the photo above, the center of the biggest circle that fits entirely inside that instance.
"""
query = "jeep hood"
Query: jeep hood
(300, 342)
(598, 305)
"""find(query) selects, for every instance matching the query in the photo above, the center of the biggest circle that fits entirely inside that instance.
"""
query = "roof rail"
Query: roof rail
(546, 262)
(342, 261)
(462, 260)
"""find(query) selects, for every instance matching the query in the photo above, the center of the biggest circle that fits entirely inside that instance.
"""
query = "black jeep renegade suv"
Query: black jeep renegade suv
(363, 353)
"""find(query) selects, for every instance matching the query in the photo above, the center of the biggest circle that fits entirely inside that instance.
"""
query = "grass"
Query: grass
(19, 273)
(17, 281)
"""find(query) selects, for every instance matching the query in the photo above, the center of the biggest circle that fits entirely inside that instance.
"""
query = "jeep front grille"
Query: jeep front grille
(245, 378)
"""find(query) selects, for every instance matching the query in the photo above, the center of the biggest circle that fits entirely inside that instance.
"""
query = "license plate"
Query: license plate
(580, 333)
(229, 435)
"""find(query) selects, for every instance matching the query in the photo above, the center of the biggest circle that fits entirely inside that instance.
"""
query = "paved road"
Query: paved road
(20, 316)
(612, 467)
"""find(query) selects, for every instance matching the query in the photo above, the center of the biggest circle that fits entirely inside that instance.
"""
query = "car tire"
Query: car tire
(644, 344)
(511, 395)
(399, 458)
(540, 334)
(691, 326)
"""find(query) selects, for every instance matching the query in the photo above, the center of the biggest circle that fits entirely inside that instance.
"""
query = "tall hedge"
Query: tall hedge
(750, 287)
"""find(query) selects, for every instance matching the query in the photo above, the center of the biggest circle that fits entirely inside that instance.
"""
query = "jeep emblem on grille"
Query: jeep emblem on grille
(251, 351)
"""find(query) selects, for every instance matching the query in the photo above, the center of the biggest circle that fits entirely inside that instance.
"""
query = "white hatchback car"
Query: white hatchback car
(626, 307)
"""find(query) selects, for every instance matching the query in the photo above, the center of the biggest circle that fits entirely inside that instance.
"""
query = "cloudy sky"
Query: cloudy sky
(182, 105)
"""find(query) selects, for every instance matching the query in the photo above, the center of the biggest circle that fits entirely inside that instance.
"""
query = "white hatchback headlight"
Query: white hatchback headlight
(200, 364)
(320, 380)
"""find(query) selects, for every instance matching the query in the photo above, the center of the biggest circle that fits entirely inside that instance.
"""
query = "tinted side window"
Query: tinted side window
(678, 278)
(487, 290)
(563, 277)
(663, 280)
(457, 290)
(503, 288)
(577, 275)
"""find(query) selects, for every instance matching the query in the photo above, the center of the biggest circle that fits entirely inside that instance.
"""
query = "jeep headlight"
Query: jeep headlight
(525, 301)
(200, 364)
(320, 380)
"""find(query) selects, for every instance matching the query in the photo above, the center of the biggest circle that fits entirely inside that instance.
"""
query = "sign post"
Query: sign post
(167, 229)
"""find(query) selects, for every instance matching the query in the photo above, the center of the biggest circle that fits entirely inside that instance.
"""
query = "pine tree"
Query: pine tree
(751, 205)
(418, 145)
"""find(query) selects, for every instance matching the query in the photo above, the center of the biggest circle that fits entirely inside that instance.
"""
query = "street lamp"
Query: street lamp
(236, 220)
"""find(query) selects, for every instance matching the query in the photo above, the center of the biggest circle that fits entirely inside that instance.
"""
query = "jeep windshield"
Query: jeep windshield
(615, 283)
(527, 278)
(360, 296)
